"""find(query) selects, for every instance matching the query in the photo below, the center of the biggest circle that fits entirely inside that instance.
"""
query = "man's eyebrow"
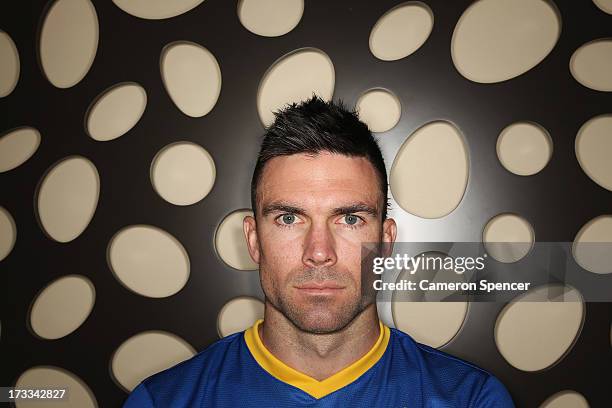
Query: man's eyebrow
(348, 209)
(355, 208)
(282, 207)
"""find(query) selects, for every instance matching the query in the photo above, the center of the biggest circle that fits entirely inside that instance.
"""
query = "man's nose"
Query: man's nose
(319, 246)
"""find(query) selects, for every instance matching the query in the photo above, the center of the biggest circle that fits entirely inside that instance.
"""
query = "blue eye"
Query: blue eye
(351, 219)
(288, 218)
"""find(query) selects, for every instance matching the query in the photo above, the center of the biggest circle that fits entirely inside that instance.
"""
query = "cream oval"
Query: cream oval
(68, 41)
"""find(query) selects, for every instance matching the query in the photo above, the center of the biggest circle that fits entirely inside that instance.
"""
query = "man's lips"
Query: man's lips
(323, 287)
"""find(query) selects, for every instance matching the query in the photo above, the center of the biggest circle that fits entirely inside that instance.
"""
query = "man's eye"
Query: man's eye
(351, 219)
(287, 219)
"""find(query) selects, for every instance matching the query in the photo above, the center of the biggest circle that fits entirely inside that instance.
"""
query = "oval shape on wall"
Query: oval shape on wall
(62, 306)
(421, 313)
(565, 399)
(380, 109)
(9, 70)
(192, 77)
(148, 261)
(279, 87)
(156, 9)
(68, 197)
(592, 247)
(508, 237)
(604, 5)
(183, 173)
(68, 41)
(55, 378)
(401, 31)
(239, 314)
(524, 148)
(116, 111)
(17, 146)
(538, 327)
(430, 171)
(270, 18)
(230, 242)
(431, 323)
(8, 233)
(594, 148)
(147, 353)
(591, 65)
(496, 40)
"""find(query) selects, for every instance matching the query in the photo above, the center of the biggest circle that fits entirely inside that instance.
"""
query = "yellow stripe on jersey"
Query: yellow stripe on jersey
(316, 388)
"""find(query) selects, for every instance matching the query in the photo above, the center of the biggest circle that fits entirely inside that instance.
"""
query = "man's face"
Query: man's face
(313, 215)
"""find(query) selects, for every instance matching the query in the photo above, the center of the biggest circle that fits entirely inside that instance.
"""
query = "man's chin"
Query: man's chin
(321, 321)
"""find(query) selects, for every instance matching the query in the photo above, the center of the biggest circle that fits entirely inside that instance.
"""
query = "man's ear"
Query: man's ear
(389, 233)
(249, 225)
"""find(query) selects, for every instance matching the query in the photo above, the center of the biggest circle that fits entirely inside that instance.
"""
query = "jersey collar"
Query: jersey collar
(317, 389)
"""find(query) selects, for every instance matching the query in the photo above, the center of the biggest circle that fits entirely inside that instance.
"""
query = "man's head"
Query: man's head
(318, 191)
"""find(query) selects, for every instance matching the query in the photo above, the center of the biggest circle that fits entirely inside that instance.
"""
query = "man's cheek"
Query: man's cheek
(350, 259)
(275, 271)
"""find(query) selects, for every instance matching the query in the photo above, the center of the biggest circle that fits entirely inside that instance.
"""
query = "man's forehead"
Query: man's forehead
(323, 165)
(326, 180)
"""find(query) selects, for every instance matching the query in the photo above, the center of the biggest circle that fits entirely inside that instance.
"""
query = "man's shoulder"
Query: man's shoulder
(439, 369)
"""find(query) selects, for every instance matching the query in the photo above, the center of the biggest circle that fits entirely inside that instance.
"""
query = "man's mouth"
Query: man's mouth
(320, 288)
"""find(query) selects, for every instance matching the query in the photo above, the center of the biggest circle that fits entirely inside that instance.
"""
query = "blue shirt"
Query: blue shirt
(238, 371)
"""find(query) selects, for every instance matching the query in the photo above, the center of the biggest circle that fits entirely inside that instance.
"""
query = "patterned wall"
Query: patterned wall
(130, 128)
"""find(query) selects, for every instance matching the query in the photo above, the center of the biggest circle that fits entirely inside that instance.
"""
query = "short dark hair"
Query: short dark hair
(315, 125)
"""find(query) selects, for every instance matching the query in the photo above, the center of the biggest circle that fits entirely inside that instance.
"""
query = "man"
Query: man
(319, 190)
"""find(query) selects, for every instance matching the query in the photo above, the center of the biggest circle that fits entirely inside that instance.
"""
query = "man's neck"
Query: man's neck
(319, 355)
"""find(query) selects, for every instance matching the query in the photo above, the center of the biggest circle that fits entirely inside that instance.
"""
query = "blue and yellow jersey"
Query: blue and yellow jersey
(238, 371)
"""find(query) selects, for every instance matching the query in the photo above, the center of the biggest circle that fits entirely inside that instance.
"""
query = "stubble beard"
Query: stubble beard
(322, 314)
